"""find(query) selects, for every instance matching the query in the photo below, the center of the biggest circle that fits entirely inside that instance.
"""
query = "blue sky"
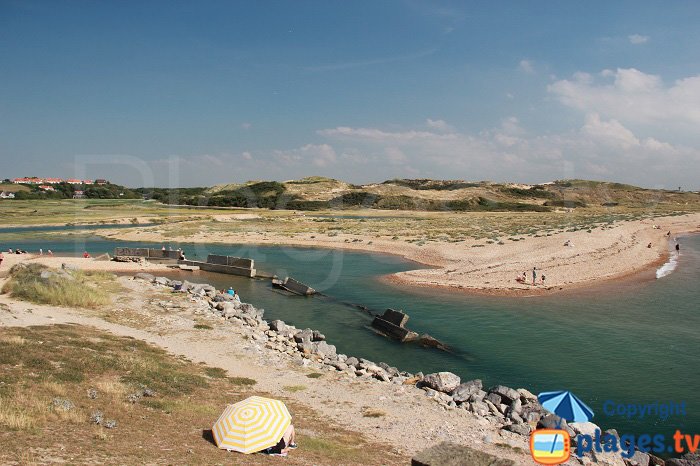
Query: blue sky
(198, 93)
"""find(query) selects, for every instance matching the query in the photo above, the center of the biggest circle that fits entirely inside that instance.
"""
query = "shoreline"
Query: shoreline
(616, 253)
(609, 255)
(496, 419)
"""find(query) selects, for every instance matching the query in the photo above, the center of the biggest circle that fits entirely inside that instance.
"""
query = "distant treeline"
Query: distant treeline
(274, 195)
(67, 191)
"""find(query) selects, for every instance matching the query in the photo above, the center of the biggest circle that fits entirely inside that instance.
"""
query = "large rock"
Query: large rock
(479, 408)
(304, 335)
(352, 361)
(451, 454)
(494, 398)
(638, 459)
(162, 281)
(507, 393)
(520, 429)
(278, 326)
(552, 421)
(585, 428)
(324, 350)
(144, 276)
(222, 297)
(464, 390)
(444, 382)
(526, 395)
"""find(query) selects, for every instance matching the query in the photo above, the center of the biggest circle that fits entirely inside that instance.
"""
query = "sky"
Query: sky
(181, 93)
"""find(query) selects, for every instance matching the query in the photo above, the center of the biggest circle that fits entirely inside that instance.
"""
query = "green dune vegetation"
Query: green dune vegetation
(318, 193)
(76, 288)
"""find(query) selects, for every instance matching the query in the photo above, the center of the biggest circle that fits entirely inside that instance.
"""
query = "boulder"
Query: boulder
(352, 361)
(304, 335)
(324, 350)
(305, 347)
(493, 398)
(479, 408)
(341, 366)
(507, 393)
(638, 459)
(440, 397)
(161, 281)
(444, 382)
(278, 326)
(526, 395)
(317, 336)
(451, 454)
(392, 371)
(144, 276)
(552, 421)
(219, 298)
(516, 406)
(464, 390)
(585, 428)
(478, 396)
(520, 429)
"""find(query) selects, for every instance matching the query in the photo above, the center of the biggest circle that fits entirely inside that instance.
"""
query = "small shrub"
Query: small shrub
(294, 388)
(242, 381)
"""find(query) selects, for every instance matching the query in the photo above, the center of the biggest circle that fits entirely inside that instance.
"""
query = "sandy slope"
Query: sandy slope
(602, 254)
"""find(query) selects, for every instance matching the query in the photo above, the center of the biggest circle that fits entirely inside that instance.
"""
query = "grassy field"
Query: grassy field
(13, 188)
(79, 211)
(420, 227)
(82, 396)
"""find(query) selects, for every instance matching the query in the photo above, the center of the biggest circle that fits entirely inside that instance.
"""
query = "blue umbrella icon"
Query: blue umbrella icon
(566, 405)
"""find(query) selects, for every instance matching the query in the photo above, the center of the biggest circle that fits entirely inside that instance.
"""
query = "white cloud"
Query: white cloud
(638, 39)
(395, 155)
(320, 155)
(440, 125)
(601, 147)
(246, 126)
(526, 66)
(374, 134)
(634, 98)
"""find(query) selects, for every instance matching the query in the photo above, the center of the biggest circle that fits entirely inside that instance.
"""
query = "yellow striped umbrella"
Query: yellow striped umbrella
(251, 425)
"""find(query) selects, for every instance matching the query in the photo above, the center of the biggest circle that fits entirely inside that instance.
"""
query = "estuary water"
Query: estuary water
(630, 342)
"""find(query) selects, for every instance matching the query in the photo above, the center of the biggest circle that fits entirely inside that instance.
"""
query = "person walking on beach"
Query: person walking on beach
(543, 279)
(678, 248)
(534, 275)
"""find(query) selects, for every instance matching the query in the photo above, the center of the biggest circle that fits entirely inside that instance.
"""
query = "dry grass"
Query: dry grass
(40, 364)
(39, 284)
(294, 388)
(370, 412)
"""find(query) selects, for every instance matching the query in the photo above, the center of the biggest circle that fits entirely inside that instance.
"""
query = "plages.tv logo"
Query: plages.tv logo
(553, 446)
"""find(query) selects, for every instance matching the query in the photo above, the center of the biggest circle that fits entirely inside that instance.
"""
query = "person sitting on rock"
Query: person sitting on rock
(236, 297)
(231, 291)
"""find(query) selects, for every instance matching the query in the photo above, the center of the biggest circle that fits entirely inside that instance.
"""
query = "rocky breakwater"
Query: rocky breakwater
(512, 410)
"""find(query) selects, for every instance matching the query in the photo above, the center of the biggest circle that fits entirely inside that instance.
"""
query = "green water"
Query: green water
(628, 342)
